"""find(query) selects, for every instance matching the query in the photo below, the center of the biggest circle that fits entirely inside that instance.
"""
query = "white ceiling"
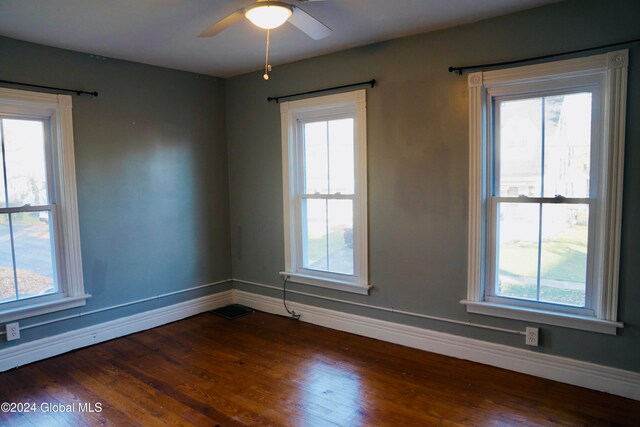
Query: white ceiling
(164, 32)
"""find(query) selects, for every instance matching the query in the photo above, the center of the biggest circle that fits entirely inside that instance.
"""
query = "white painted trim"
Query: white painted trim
(550, 70)
(584, 374)
(58, 110)
(361, 204)
(113, 307)
(29, 98)
(291, 113)
(475, 270)
(331, 284)
(614, 138)
(32, 351)
(67, 199)
(312, 104)
(566, 320)
(288, 171)
(36, 308)
(386, 309)
(562, 369)
(607, 71)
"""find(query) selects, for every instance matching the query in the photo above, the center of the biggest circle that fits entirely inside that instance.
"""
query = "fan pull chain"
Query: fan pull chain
(267, 67)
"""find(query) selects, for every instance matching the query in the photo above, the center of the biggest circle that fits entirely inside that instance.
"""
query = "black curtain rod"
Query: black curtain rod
(59, 89)
(460, 70)
(371, 82)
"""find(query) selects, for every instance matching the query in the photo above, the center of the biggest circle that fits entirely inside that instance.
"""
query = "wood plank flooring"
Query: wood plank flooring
(263, 369)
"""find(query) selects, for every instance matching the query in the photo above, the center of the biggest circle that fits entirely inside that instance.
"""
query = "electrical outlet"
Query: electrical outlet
(532, 336)
(13, 331)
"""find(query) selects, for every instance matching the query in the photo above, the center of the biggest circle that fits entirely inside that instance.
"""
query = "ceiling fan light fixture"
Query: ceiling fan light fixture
(269, 15)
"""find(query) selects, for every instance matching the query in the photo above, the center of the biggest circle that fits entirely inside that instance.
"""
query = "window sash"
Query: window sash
(300, 146)
(49, 152)
(493, 180)
(301, 221)
(536, 200)
(336, 196)
(295, 114)
(35, 300)
(28, 208)
(56, 244)
(494, 199)
(491, 293)
(301, 195)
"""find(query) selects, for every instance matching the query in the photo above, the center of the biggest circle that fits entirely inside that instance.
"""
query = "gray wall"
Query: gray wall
(418, 169)
(151, 165)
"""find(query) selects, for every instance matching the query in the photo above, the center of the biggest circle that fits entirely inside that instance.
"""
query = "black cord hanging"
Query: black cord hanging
(284, 300)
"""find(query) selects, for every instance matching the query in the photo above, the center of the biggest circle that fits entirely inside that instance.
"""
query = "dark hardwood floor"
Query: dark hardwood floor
(268, 370)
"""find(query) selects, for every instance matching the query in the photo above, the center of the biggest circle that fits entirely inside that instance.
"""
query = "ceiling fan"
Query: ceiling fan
(268, 14)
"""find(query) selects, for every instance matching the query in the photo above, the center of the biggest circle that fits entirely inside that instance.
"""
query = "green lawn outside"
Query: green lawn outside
(316, 248)
(551, 294)
(563, 259)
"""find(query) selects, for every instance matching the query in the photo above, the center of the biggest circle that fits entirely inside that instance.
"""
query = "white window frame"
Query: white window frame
(56, 110)
(293, 114)
(606, 76)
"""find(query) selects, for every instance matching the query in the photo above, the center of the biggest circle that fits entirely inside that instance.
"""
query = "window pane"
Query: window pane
(341, 236)
(518, 250)
(341, 160)
(25, 162)
(34, 260)
(314, 234)
(567, 154)
(316, 160)
(7, 282)
(520, 135)
(563, 258)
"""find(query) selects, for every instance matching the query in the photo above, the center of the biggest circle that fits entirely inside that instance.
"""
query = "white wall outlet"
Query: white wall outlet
(532, 336)
(13, 331)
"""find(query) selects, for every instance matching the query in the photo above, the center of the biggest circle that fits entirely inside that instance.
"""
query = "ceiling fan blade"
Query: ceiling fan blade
(223, 24)
(309, 25)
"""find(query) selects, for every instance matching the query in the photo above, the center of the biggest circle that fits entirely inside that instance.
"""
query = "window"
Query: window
(547, 145)
(40, 266)
(325, 192)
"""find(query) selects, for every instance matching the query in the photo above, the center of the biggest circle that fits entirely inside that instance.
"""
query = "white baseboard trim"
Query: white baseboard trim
(562, 369)
(33, 351)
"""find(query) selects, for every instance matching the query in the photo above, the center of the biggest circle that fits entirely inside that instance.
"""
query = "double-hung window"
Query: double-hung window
(547, 144)
(324, 177)
(40, 265)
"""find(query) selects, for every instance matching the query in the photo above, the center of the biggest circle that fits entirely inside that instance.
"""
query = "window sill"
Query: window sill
(339, 285)
(38, 309)
(586, 323)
